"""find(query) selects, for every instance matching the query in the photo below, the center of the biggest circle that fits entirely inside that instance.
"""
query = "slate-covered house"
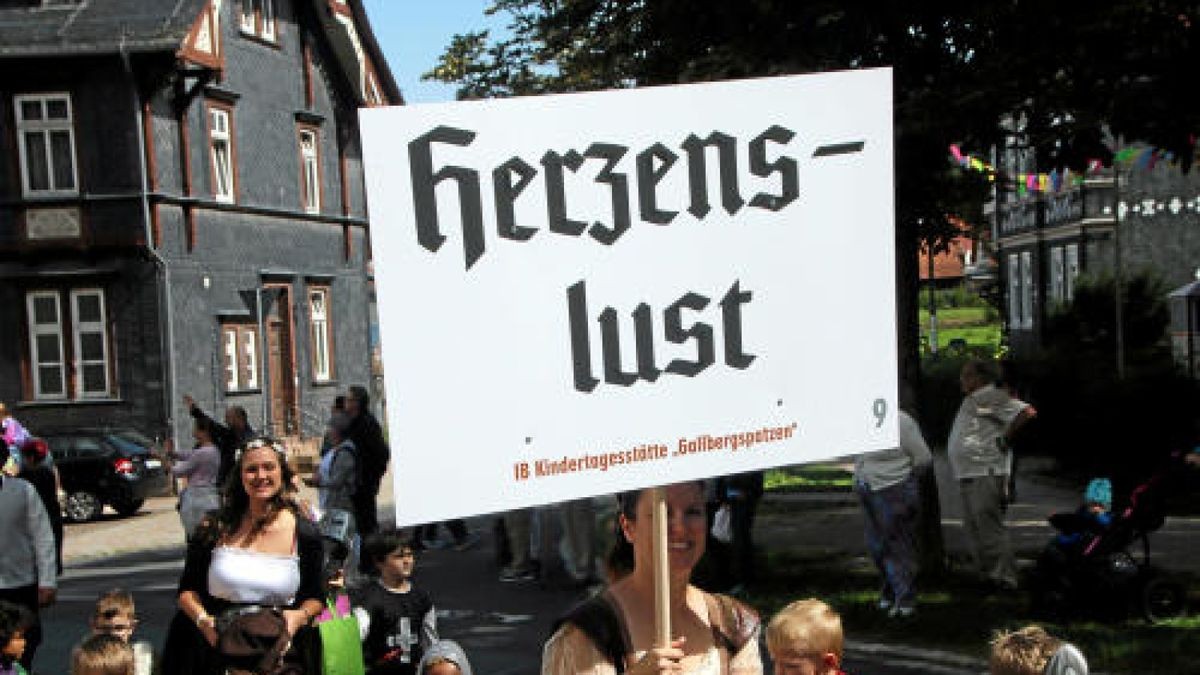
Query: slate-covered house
(1145, 214)
(182, 209)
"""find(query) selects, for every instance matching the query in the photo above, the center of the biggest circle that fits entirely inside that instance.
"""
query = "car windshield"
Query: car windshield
(130, 442)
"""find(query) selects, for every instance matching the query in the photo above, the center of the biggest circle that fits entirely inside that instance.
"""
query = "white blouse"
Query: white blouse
(250, 577)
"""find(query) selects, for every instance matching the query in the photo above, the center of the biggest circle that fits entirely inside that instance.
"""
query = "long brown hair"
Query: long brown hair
(235, 503)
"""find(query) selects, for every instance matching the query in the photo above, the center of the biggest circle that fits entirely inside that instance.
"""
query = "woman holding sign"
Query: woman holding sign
(613, 632)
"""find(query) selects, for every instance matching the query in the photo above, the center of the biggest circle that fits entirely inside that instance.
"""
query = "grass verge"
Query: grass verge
(809, 478)
(955, 616)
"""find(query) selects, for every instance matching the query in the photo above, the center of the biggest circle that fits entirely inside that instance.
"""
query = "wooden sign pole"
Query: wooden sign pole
(662, 579)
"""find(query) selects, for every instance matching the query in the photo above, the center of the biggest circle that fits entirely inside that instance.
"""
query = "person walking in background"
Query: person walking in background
(979, 455)
(577, 547)
(742, 492)
(373, 456)
(36, 469)
(336, 478)
(886, 484)
(15, 436)
(199, 466)
(518, 526)
(228, 437)
(27, 557)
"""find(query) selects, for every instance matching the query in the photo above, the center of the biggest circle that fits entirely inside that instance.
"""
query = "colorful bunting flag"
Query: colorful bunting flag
(1055, 181)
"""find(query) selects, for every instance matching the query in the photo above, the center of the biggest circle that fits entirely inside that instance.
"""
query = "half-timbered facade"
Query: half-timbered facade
(182, 209)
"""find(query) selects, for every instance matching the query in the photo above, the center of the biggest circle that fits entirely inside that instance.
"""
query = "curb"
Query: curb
(930, 660)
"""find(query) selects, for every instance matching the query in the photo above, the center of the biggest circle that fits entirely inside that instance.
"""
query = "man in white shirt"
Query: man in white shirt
(981, 460)
(27, 557)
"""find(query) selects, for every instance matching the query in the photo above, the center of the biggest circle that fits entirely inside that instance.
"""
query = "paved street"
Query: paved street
(503, 625)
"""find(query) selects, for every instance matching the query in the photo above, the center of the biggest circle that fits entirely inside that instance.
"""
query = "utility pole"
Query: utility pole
(1118, 276)
(933, 320)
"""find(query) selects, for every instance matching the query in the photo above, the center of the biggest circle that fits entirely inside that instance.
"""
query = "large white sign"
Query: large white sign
(589, 293)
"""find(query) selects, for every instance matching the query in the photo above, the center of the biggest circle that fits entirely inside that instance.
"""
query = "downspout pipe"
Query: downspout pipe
(164, 286)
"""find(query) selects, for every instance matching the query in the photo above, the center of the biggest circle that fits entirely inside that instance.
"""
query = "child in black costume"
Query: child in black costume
(398, 621)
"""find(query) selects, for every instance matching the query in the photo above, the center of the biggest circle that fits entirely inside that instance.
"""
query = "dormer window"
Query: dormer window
(258, 19)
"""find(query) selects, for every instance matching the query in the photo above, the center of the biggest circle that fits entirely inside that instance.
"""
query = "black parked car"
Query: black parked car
(118, 468)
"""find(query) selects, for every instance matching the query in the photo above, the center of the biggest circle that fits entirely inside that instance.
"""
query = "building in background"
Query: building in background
(1046, 240)
(182, 210)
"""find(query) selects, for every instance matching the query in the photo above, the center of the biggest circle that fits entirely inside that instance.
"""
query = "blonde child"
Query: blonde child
(805, 638)
(1033, 651)
(115, 614)
(102, 655)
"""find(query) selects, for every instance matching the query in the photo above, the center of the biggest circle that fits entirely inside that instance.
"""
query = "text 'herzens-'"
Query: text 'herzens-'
(653, 163)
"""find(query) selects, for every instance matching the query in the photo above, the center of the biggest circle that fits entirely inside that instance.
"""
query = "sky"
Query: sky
(414, 33)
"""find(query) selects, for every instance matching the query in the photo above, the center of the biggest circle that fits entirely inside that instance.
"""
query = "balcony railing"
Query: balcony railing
(1071, 207)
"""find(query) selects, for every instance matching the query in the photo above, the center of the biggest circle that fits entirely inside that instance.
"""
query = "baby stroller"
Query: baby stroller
(1109, 574)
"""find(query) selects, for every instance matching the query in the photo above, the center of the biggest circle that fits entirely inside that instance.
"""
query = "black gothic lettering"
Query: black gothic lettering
(649, 176)
(619, 187)
(556, 191)
(506, 193)
(701, 332)
(726, 146)
(424, 181)
(789, 182)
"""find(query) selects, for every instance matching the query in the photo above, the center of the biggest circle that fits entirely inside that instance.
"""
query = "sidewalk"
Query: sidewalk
(833, 520)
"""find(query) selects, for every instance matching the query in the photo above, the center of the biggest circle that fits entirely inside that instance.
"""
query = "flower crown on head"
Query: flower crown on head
(279, 448)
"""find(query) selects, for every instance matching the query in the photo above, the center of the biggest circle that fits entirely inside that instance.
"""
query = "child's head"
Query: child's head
(392, 556)
(805, 638)
(102, 655)
(444, 657)
(114, 614)
(1098, 495)
(14, 621)
(1022, 652)
(34, 452)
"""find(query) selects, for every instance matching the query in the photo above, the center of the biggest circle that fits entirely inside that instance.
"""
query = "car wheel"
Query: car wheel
(82, 507)
(128, 507)
(1163, 599)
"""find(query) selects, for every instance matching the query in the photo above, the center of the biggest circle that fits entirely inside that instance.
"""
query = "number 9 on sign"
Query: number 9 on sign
(880, 411)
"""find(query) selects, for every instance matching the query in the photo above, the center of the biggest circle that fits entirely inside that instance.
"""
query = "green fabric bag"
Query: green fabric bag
(341, 646)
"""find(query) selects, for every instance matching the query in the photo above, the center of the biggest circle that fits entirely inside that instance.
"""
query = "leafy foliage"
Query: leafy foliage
(1074, 71)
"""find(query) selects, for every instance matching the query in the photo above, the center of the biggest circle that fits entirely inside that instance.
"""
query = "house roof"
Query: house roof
(96, 27)
(371, 44)
(948, 264)
(111, 26)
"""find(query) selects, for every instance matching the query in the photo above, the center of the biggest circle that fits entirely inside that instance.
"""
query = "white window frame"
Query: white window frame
(310, 170)
(220, 142)
(1014, 291)
(229, 345)
(1026, 289)
(322, 338)
(250, 349)
(257, 18)
(46, 128)
(1071, 271)
(1057, 275)
(239, 347)
(35, 330)
(78, 328)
